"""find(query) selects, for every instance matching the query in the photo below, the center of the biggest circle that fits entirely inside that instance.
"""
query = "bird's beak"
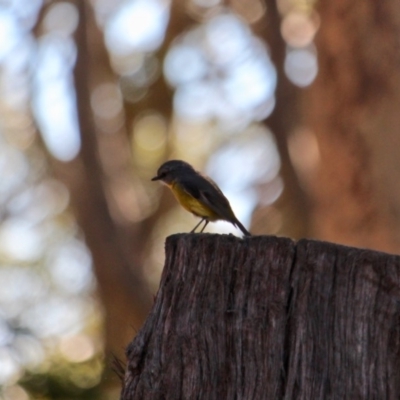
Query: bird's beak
(156, 178)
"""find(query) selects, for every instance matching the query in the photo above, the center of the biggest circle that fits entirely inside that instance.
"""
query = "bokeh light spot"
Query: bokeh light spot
(10, 370)
(61, 17)
(10, 32)
(226, 38)
(250, 83)
(251, 10)
(195, 101)
(150, 132)
(21, 240)
(26, 11)
(304, 153)
(71, 267)
(301, 66)
(138, 25)
(298, 29)
(77, 348)
(30, 351)
(20, 285)
(57, 316)
(106, 101)
(221, 71)
(14, 168)
(54, 103)
(184, 63)
(206, 3)
(14, 392)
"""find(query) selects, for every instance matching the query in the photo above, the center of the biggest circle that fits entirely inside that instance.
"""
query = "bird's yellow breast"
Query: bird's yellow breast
(192, 204)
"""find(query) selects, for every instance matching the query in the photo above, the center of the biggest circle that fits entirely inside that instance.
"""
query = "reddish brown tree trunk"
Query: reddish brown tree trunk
(352, 108)
(268, 318)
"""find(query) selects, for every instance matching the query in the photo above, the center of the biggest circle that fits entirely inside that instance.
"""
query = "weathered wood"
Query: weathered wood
(268, 318)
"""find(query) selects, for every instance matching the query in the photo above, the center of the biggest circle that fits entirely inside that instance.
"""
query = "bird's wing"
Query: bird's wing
(207, 191)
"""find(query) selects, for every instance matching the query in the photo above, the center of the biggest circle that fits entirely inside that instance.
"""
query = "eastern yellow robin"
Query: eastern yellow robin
(197, 193)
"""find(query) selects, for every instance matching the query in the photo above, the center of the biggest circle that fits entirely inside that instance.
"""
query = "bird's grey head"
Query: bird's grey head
(171, 169)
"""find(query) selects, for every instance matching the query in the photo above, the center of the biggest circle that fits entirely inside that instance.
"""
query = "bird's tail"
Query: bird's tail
(241, 227)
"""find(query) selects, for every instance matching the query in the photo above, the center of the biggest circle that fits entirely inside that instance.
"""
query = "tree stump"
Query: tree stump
(268, 318)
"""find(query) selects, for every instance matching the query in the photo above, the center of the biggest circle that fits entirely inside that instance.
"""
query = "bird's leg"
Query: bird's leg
(207, 221)
(192, 231)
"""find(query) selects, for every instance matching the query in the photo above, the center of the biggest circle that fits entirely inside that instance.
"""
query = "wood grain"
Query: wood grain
(268, 318)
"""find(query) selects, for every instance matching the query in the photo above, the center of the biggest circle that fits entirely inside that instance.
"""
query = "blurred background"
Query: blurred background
(291, 106)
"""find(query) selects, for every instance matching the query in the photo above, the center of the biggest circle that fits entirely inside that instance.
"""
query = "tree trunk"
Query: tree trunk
(117, 259)
(352, 108)
(268, 318)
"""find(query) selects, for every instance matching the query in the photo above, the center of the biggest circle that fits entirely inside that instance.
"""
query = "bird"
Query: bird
(197, 193)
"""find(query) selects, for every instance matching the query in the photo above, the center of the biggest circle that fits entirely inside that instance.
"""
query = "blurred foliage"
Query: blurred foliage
(79, 381)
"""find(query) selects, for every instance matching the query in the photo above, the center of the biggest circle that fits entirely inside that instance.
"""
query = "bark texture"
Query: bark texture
(268, 318)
